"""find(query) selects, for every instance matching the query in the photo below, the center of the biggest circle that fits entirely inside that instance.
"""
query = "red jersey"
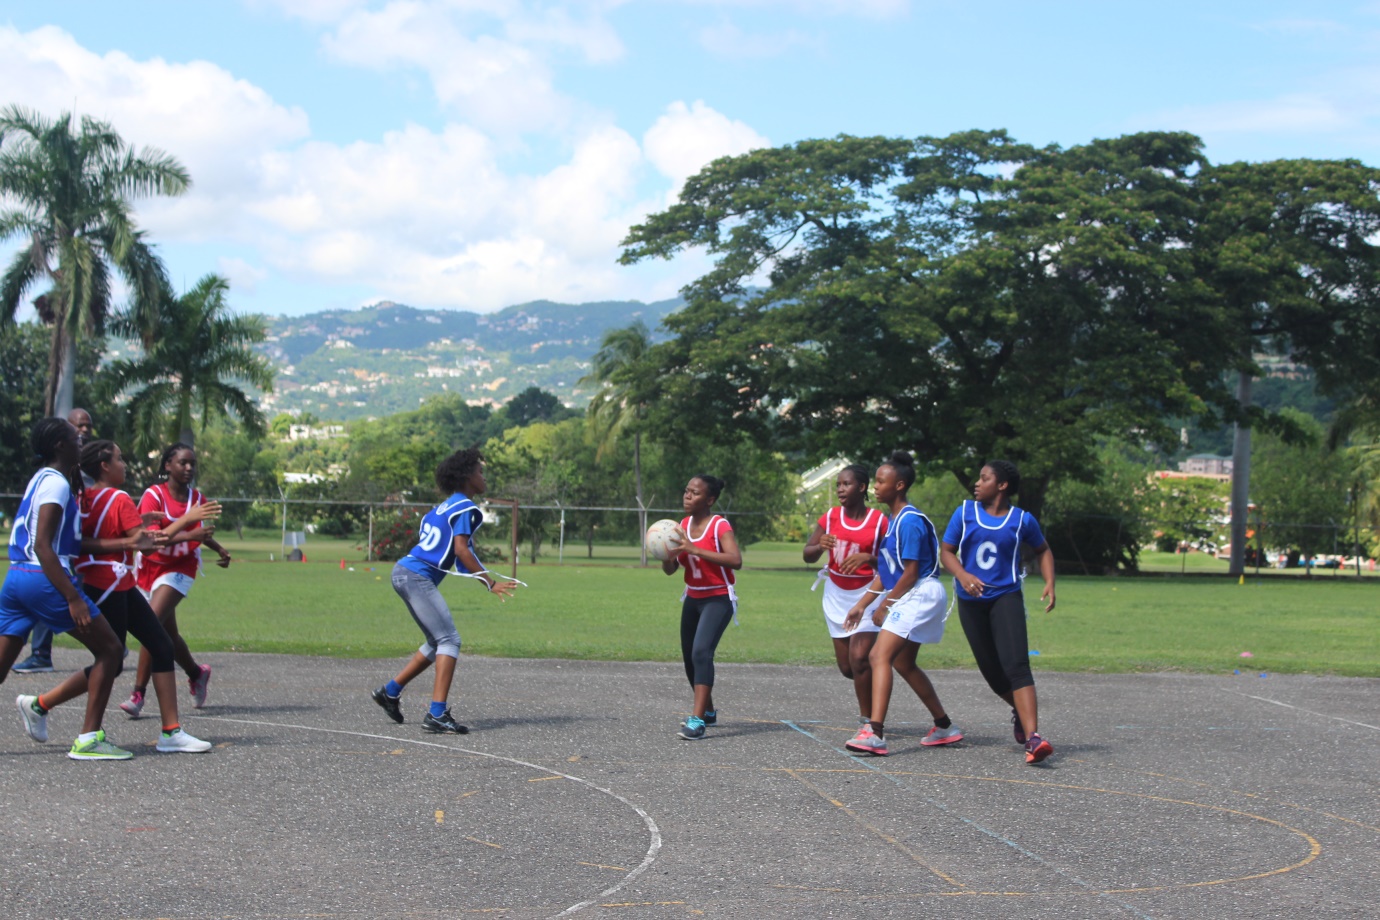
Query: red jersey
(184, 558)
(107, 514)
(863, 536)
(703, 578)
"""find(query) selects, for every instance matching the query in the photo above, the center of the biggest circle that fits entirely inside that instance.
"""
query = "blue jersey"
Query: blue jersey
(47, 487)
(434, 554)
(990, 547)
(910, 535)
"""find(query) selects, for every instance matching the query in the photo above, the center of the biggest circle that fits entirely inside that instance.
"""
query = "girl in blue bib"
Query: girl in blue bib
(982, 551)
(445, 545)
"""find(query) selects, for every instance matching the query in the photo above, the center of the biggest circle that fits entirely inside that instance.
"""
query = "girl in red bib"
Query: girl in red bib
(851, 534)
(166, 576)
(112, 531)
(708, 551)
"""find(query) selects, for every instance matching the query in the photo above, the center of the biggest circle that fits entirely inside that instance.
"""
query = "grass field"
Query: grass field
(617, 611)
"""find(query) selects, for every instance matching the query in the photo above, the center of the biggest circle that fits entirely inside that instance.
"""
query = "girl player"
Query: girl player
(166, 575)
(445, 544)
(709, 553)
(40, 585)
(910, 611)
(982, 551)
(112, 532)
(852, 534)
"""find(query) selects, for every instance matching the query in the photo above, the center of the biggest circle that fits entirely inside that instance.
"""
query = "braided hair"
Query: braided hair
(47, 438)
(1005, 471)
(94, 454)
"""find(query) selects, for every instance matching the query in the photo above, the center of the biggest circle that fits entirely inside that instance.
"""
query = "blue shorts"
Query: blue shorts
(28, 597)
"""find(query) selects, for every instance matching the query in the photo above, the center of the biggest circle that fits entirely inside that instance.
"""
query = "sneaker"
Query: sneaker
(97, 749)
(1037, 749)
(692, 729)
(445, 722)
(179, 742)
(34, 664)
(711, 717)
(1017, 729)
(867, 742)
(937, 736)
(35, 722)
(389, 704)
(197, 686)
(134, 705)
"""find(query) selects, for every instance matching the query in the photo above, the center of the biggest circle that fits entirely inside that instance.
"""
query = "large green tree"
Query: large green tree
(196, 367)
(1285, 255)
(1302, 489)
(874, 293)
(67, 194)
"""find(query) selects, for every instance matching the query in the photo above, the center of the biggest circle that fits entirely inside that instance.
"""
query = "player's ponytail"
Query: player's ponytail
(1004, 471)
(713, 484)
(904, 465)
(95, 453)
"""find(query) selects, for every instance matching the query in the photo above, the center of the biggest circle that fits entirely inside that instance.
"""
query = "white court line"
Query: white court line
(1321, 715)
(652, 829)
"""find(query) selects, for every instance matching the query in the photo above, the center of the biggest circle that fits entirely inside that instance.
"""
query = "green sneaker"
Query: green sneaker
(97, 749)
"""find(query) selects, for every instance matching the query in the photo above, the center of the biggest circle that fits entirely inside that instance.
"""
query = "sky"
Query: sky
(473, 154)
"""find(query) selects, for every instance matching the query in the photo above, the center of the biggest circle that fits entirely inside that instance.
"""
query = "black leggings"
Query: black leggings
(996, 634)
(702, 624)
(128, 612)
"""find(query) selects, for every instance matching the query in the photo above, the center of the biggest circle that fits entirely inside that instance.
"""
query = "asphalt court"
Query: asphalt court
(1170, 795)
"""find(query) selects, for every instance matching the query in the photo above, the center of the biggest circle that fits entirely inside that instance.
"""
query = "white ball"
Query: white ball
(661, 540)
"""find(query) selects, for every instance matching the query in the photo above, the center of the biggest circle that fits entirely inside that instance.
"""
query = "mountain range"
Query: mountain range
(389, 357)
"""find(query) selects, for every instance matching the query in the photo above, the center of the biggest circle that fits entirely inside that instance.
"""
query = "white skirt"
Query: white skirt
(838, 601)
(920, 615)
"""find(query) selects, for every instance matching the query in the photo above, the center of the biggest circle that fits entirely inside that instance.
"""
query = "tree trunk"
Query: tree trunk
(1240, 478)
(184, 419)
(62, 371)
(641, 508)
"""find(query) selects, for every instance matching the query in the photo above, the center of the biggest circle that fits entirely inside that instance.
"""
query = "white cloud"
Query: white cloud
(687, 138)
(244, 278)
(869, 9)
(433, 217)
(727, 40)
(215, 124)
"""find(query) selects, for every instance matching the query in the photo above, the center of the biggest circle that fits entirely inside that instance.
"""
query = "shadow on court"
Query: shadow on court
(1168, 796)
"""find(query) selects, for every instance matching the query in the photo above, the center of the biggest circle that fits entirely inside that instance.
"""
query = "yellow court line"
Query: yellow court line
(643, 904)
(544, 779)
(440, 816)
(485, 842)
(602, 866)
(916, 857)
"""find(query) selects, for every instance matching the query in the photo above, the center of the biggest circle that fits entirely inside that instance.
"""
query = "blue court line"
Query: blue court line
(970, 822)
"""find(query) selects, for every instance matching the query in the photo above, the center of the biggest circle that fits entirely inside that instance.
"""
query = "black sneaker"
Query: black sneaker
(445, 722)
(389, 704)
(711, 717)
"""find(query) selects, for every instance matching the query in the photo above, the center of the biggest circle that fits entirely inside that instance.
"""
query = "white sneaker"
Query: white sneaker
(35, 725)
(179, 742)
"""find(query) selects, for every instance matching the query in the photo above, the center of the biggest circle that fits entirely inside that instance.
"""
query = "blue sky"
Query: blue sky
(478, 153)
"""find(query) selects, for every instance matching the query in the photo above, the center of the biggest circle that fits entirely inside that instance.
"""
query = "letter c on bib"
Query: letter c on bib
(987, 555)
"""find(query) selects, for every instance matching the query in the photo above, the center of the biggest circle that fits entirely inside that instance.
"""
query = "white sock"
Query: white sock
(86, 736)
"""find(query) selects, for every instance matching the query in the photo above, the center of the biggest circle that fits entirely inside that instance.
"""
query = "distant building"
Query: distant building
(1206, 465)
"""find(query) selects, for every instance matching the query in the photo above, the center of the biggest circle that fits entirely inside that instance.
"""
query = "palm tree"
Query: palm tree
(192, 368)
(619, 368)
(71, 192)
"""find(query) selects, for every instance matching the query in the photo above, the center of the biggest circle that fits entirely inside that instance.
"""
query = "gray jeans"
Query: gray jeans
(428, 608)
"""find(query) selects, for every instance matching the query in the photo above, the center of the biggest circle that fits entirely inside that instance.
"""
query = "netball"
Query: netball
(661, 539)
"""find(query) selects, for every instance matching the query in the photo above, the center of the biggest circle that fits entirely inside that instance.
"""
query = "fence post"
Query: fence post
(369, 557)
(283, 547)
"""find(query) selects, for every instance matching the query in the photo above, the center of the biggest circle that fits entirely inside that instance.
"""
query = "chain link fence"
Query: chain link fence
(554, 533)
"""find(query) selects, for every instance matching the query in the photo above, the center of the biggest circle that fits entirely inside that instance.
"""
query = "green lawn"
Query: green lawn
(620, 612)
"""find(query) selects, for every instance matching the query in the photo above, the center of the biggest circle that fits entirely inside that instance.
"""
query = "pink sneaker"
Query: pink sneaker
(134, 705)
(867, 742)
(197, 686)
(937, 736)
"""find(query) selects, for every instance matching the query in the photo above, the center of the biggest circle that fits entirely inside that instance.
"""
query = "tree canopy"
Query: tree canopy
(969, 296)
